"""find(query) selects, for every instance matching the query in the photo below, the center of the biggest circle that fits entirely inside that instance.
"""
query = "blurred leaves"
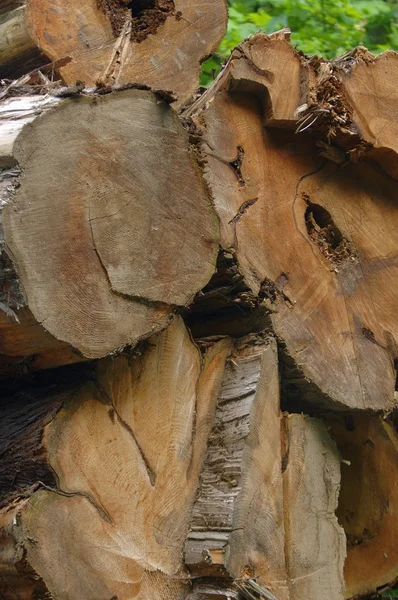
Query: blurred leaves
(391, 594)
(318, 26)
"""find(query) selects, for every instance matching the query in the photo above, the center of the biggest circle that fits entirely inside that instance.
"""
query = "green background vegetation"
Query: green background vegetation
(322, 27)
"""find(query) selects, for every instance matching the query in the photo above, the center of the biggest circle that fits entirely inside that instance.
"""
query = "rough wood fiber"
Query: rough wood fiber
(126, 452)
(118, 476)
(160, 43)
(97, 187)
(257, 538)
(315, 240)
(265, 507)
(268, 66)
(374, 114)
(237, 520)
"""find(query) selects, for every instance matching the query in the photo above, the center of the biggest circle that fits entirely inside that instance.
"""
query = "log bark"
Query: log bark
(310, 216)
(104, 251)
(160, 43)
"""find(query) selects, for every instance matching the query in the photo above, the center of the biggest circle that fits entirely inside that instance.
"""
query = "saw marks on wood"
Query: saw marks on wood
(110, 226)
(126, 452)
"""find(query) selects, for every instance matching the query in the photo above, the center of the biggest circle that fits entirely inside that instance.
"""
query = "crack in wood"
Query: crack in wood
(102, 512)
(268, 75)
(242, 210)
(149, 470)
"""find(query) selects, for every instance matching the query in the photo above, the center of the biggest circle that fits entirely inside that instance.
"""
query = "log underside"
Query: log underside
(233, 431)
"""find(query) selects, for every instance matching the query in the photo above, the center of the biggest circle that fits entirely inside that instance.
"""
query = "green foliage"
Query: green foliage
(323, 27)
(390, 594)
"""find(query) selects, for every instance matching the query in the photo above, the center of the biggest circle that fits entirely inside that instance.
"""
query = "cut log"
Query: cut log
(18, 53)
(26, 346)
(106, 219)
(124, 452)
(256, 485)
(316, 240)
(373, 106)
(237, 521)
(169, 470)
(315, 543)
(368, 501)
(268, 67)
(112, 478)
(160, 43)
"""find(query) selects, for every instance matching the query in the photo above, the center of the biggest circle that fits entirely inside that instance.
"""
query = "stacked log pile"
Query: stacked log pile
(198, 325)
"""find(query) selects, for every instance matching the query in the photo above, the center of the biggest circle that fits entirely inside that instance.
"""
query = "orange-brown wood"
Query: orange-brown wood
(124, 450)
(368, 501)
(160, 43)
(315, 238)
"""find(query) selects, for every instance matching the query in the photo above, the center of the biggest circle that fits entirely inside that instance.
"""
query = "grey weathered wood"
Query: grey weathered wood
(109, 225)
(315, 542)
(18, 52)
